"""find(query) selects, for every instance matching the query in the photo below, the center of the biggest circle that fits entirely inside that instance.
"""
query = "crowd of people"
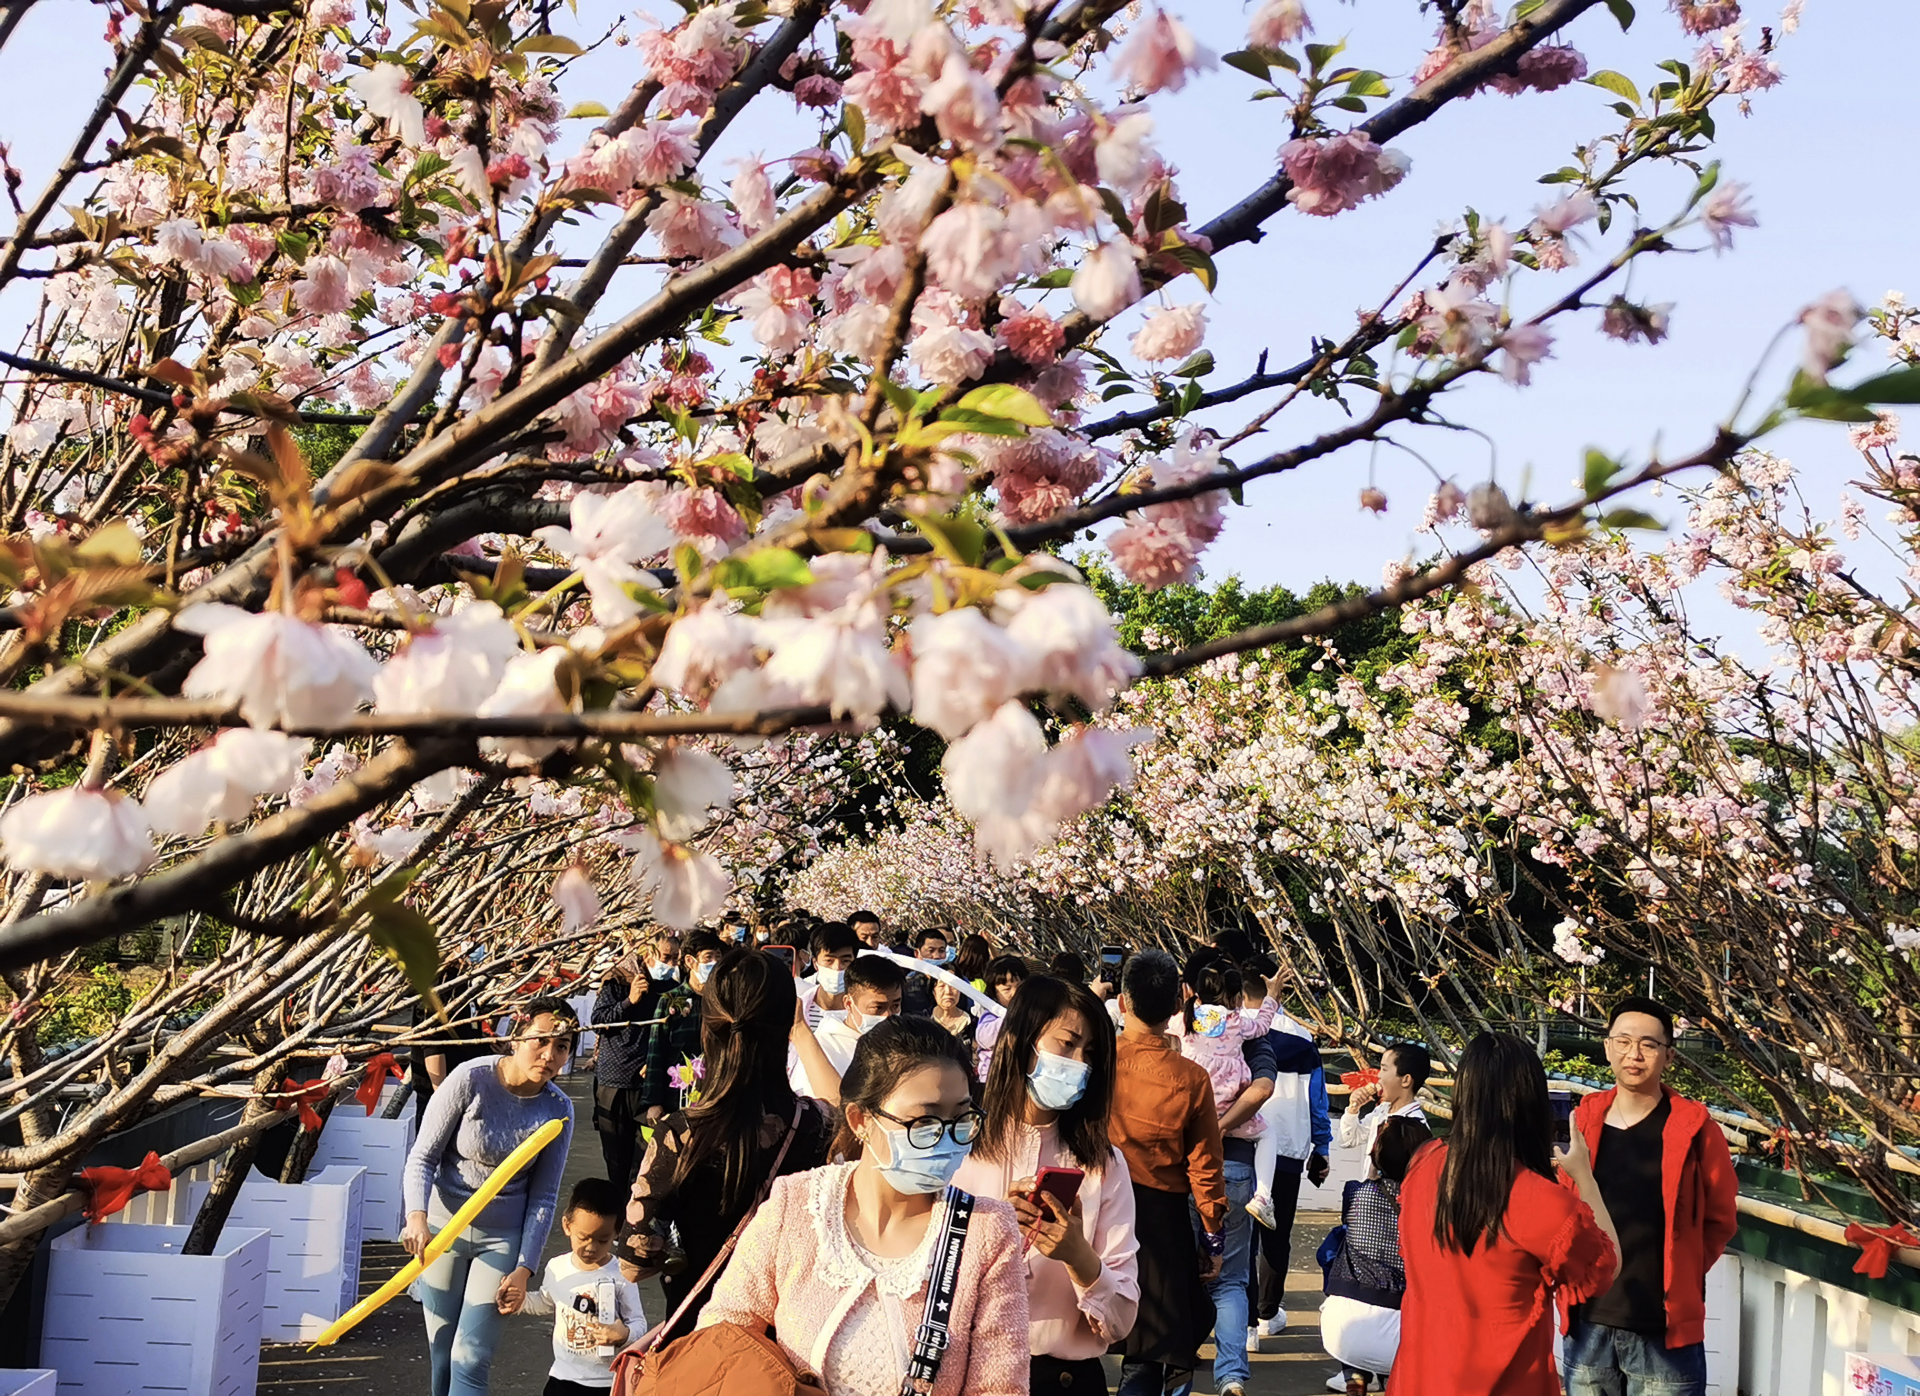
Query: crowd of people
(933, 1167)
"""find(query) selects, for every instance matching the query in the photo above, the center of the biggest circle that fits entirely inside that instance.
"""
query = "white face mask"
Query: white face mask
(832, 981)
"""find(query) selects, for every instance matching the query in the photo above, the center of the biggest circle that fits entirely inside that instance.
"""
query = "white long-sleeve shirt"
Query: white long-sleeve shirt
(1360, 1130)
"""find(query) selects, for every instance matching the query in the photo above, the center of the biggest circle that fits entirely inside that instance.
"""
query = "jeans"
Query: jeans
(1153, 1379)
(1603, 1361)
(1229, 1287)
(457, 1293)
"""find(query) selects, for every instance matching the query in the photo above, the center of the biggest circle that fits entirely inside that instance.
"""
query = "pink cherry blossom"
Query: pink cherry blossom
(704, 647)
(964, 668)
(1277, 22)
(1072, 640)
(1107, 280)
(951, 354)
(387, 90)
(1829, 323)
(1723, 210)
(579, 901)
(688, 784)
(690, 227)
(529, 687)
(1521, 348)
(752, 195)
(1033, 336)
(1159, 54)
(1171, 334)
(1122, 155)
(1703, 18)
(1333, 175)
(78, 835)
(1036, 475)
(687, 886)
(779, 306)
(963, 105)
(323, 289)
(280, 670)
(1620, 696)
(451, 667)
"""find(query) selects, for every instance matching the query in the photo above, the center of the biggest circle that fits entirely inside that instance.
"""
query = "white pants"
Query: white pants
(1362, 1336)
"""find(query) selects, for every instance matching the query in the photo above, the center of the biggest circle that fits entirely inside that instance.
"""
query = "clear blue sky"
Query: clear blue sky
(1831, 177)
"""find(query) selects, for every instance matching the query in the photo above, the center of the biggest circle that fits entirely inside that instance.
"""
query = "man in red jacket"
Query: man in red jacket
(1663, 1168)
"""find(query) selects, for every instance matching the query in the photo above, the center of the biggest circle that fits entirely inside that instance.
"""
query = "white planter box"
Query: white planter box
(313, 1275)
(357, 1140)
(22, 1381)
(127, 1314)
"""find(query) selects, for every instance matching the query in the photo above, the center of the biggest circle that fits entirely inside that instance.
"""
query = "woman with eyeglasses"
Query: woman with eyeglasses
(836, 1264)
(1046, 1105)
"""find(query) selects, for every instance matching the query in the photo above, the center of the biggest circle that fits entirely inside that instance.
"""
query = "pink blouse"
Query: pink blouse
(1063, 1319)
(797, 1272)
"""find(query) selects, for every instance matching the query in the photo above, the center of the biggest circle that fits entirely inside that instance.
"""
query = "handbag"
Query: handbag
(725, 1357)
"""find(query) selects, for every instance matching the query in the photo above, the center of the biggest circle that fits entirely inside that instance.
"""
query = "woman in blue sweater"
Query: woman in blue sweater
(482, 1111)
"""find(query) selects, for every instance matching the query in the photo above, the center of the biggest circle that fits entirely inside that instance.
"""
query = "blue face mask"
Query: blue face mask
(700, 973)
(663, 972)
(947, 958)
(1056, 1082)
(910, 1170)
(832, 981)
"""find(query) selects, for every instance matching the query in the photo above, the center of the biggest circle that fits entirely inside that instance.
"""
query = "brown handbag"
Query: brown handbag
(727, 1358)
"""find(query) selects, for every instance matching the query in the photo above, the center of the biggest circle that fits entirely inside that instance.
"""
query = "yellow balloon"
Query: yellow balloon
(448, 1234)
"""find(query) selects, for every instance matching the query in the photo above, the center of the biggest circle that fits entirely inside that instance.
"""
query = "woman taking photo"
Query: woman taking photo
(1486, 1233)
(837, 1261)
(1046, 1106)
(705, 1165)
(482, 1111)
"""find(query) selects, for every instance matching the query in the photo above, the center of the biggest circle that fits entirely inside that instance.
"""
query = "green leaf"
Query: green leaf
(1116, 210)
(766, 569)
(1623, 12)
(1319, 55)
(1619, 84)
(855, 121)
(427, 166)
(1824, 402)
(294, 246)
(1631, 518)
(580, 109)
(1053, 280)
(958, 540)
(960, 419)
(901, 399)
(411, 940)
(1008, 403)
(1896, 385)
(686, 561)
(1197, 262)
(1250, 63)
(733, 463)
(1367, 83)
(1599, 473)
(549, 43)
(1199, 366)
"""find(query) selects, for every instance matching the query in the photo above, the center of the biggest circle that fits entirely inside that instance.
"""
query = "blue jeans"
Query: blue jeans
(1229, 1287)
(1603, 1361)
(457, 1294)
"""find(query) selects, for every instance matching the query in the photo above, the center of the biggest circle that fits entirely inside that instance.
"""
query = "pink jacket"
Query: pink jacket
(796, 1272)
(1064, 1320)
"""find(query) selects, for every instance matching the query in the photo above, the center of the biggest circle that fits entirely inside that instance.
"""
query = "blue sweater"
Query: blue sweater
(470, 1126)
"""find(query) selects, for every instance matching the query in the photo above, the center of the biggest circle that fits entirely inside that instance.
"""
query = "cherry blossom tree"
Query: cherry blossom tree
(564, 542)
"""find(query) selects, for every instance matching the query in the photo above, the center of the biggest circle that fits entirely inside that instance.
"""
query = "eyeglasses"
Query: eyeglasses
(1637, 1046)
(925, 1132)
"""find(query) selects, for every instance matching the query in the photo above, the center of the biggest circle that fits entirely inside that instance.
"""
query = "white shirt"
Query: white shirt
(836, 1040)
(577, 1297)
(1363, 1129)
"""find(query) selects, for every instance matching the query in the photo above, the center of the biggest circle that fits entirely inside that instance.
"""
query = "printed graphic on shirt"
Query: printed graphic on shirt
(588, 1305)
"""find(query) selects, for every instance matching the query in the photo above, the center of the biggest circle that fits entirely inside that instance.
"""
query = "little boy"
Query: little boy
(595, 1311)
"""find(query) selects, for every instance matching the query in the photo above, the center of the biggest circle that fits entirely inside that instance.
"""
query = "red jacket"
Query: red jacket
(1699, 1195)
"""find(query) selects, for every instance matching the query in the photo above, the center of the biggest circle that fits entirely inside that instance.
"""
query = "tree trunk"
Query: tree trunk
(300, 1156)
(211, 1219)
(392, 1109)
(16, 1256)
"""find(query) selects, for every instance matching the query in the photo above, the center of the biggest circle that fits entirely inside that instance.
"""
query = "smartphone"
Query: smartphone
(1112, 957)
(1063, 1183)
(783, 953)
(1562, 1104)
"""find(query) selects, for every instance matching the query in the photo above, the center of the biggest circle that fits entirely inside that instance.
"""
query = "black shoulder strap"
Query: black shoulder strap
(930, 1343)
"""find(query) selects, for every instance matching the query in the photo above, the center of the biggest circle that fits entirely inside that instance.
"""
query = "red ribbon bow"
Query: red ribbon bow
(378, 1069)
(113, 1188)
(1877, 1245)
(1354, 1080)
(305, 1095)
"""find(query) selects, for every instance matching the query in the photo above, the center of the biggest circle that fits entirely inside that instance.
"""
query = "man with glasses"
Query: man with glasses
(1663, 1168)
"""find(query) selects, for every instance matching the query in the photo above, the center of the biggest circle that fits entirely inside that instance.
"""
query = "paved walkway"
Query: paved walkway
(387, 1354)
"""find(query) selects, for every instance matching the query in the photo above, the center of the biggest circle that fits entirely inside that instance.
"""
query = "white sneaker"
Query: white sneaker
(1260, 1208)
(1338, 1382)
(1272, 1327)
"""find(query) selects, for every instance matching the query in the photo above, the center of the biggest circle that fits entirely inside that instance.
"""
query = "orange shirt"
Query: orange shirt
(1165, 1125)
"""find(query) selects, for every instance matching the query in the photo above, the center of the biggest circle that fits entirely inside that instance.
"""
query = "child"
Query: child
(1218, 1031)
(595, 1310)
